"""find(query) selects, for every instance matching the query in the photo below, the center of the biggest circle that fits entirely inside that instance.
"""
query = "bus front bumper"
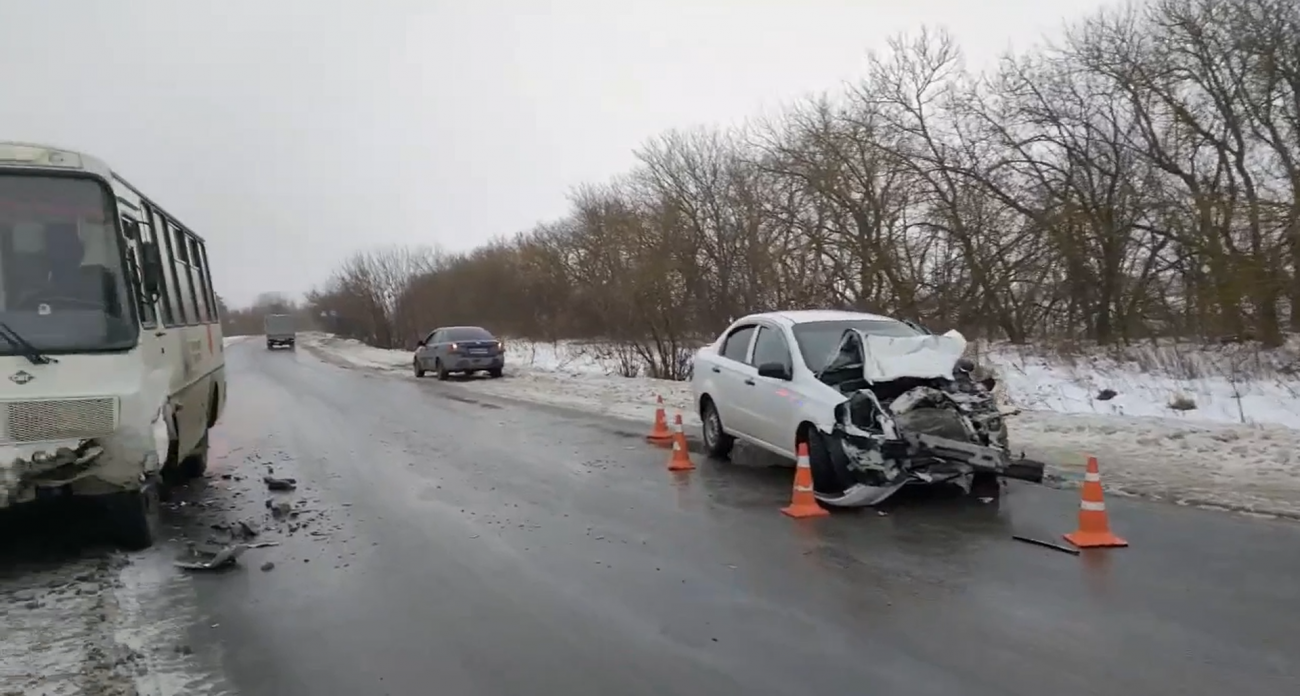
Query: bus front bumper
(26, 468)
(92, 466)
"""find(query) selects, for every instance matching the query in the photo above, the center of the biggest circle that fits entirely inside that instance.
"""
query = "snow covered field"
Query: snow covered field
(1239, 448)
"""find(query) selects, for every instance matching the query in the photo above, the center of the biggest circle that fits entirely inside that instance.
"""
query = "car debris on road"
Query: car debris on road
(279, 484)
(206, 559)
(1046, 544)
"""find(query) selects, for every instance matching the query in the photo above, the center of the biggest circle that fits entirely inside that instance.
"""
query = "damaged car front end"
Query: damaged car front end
(915, 413)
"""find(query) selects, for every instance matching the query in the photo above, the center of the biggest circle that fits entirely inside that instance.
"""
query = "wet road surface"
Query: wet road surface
(443, 542)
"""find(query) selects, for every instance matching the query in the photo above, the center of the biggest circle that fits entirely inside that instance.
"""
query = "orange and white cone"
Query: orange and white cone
(803, 503)
(660, 435)
(1094, 525)
(681, 457)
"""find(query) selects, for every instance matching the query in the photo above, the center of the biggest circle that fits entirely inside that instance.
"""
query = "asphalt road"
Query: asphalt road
(445, 542)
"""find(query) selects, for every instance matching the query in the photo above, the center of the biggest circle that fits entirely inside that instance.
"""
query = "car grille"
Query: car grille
(58, 419)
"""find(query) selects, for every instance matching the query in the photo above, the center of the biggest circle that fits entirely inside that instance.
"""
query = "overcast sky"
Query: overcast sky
(290, 133)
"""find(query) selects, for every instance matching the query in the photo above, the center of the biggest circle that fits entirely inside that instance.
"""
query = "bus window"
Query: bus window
(182, 249)
(180, 271)
(148, 314)
(196, 280)
(170, 300)
(207, 282)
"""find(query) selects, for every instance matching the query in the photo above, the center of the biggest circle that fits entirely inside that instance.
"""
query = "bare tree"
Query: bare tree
(1139, 179)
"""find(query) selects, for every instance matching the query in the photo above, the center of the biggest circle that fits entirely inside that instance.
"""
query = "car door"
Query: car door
(775, 401)
(441, 346)
(426, 353)
(731, 371)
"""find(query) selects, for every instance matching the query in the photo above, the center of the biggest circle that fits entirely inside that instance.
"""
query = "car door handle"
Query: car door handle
(750, 382)
(717, 369)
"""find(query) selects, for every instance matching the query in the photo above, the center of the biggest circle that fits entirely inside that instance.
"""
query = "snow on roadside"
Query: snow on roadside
(1237, 384)
(1142, 450)
(100, 626)
(228, 340)
(51, 622)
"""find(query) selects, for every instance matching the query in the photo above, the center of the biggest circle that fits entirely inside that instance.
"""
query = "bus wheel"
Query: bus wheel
(214, 403)
(133, 516)
(196, 464)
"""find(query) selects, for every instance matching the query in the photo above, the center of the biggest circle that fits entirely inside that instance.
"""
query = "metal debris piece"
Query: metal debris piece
(1046, 544)
(278, 484)
(202, 559)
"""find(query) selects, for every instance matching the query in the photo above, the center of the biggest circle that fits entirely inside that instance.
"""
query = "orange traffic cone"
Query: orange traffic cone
(660, 435)
(1094, 526)
(681, 458)
(803, 503)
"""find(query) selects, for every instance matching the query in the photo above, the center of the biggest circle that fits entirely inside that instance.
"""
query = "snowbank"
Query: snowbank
(1205, 456)
(1226, 384)
(228, 340)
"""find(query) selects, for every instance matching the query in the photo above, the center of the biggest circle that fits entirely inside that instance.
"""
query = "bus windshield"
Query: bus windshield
(62, 285)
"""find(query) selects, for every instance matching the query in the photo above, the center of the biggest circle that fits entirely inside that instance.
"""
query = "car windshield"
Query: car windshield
(469, 333)
(61, 282)
(819, 339)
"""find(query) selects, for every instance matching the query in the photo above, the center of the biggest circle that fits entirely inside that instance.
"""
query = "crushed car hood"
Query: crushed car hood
(887, 358)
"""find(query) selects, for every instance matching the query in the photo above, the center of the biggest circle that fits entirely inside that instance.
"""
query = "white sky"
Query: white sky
(290, 133)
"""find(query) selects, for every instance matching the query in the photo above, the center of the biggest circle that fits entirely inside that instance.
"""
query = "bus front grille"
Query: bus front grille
(58, 419)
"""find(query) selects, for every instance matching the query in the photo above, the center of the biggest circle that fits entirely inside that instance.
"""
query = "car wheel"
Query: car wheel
(442, 371)
(985, 485)
(717, 443)
(133, 516)
(494, 373)
(419, 371)
(826, 476)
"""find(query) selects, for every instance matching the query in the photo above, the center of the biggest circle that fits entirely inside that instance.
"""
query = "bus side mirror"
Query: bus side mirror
(153, 269)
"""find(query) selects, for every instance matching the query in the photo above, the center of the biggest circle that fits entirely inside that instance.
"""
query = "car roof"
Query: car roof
(449, 328)
(807, 316)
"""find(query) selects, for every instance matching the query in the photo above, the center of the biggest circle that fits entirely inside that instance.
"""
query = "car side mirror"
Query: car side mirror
(419, 344)
(152, 270)
(775, 370)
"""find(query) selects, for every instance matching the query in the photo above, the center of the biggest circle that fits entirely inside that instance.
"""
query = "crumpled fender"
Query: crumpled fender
(162, 431)
(145, 425)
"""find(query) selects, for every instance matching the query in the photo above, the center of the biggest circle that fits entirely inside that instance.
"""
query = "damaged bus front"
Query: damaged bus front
(96, 372)
(915, 412)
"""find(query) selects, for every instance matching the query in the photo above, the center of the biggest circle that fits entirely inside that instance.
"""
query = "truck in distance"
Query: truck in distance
(279, 331)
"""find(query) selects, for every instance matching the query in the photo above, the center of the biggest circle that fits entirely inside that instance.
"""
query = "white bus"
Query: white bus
(111, 364)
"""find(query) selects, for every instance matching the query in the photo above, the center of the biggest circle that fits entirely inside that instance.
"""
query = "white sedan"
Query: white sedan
(882, 403)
